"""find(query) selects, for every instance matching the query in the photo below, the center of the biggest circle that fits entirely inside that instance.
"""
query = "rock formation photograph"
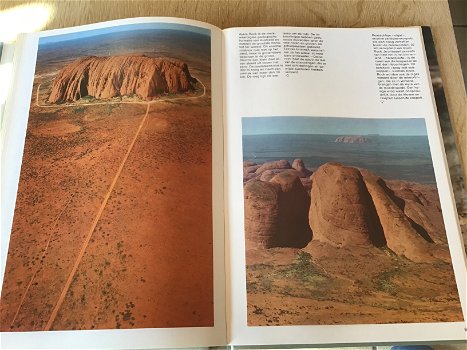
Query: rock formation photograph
(113, 219)
(343, 223)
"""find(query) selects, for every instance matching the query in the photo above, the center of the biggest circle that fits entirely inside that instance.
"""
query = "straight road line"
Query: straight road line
(107, 196)
(93, 226)
(23, 298)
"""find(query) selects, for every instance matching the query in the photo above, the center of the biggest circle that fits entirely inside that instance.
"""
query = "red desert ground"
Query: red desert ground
(341, 245)
(113, 224)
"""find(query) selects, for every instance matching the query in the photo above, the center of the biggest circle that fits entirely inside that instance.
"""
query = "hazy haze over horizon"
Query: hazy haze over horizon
(333, 126)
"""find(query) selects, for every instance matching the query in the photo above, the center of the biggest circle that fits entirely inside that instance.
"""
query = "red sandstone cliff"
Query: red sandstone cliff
(404, 236)
(112, 76)
(276, 212)
(342, 211)
(346, 207)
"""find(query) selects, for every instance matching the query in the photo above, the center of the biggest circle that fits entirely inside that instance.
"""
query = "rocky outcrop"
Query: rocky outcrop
(353, 139)
(113, 76)
(421, 204)
(267, 175)
(249, 172)
(294, 201)
(351, 206)
(266, 171)
(342, 212)
(403, 235)
(346, 207)
(261, 209)
(306, 182)
(278, 164)
(276, 212)
(300, 167)
(248, 163)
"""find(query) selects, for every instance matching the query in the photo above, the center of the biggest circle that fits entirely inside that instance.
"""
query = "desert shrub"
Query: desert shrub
(304, 271)
(79, 110)
(383, 282)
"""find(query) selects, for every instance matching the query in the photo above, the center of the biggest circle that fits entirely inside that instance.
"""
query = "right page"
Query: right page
(341, 222)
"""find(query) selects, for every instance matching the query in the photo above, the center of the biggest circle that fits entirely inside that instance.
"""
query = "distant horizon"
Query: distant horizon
(127, 28)
(294, 125)
(340, 134)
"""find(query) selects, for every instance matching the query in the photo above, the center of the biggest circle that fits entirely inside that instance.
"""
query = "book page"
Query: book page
(6, 68)
(341, 221)
(115, 204)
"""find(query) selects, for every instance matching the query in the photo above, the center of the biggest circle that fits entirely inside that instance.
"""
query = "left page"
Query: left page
(6, 63)
(115, 204)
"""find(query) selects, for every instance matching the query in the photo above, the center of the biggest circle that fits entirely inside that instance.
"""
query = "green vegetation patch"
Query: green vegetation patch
(301, 279)
(304, 271)
(48, 117)
(79, 110)
(383, 281)
(263, 280)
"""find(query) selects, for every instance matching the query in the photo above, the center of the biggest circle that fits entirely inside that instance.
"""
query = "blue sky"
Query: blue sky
(127, 27)
(333, 126)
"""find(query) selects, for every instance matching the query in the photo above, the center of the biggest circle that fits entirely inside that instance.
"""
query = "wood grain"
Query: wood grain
(334, 13)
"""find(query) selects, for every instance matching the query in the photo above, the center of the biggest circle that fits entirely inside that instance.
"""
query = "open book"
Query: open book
(167, 184)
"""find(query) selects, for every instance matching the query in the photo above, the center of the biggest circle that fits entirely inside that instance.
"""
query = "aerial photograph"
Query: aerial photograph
(113, 219)
(343, 223)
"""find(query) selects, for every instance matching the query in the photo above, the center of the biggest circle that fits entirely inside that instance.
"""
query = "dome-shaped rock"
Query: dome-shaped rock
(300, 167)
(342, 211)
(126, 75)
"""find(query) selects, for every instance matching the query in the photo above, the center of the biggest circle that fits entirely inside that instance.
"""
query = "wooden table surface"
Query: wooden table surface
(333, 13)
